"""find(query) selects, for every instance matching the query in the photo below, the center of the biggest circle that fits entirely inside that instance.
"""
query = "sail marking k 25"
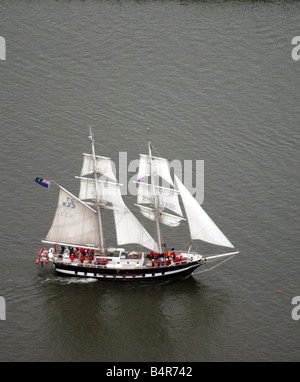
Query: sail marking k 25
(79, 223)
(74, 222)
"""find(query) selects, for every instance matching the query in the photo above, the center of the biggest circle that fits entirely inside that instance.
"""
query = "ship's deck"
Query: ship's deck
(130, 262)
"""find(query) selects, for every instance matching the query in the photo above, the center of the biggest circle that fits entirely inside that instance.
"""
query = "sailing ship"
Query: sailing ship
(77, 231)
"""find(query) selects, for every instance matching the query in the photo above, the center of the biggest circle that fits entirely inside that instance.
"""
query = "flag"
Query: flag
(43, 182)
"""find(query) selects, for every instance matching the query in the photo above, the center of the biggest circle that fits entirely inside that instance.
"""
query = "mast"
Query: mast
(158, 197)
(98, 205)
(156, 207)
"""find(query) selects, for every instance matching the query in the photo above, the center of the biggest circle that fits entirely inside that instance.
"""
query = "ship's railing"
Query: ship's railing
(131, 265)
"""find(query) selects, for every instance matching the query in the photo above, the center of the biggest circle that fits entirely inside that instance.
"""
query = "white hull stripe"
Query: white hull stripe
(146, 275)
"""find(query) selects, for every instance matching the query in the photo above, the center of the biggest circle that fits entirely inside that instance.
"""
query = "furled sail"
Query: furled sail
(167, 219)
(201, 225)
(74, 222)
(103, 165)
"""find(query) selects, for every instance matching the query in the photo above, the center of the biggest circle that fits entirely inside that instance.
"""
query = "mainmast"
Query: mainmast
(98, 200)
(156, 205)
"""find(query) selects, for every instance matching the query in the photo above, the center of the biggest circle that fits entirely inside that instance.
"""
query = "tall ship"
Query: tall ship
(77, 234)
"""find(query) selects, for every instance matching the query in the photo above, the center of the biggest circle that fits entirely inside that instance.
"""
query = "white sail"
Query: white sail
(167, 219)
(200, 224)
(108, 191)
(166, 197)
(157, 167)
(103, 166)
(74, 222)
(130, 230)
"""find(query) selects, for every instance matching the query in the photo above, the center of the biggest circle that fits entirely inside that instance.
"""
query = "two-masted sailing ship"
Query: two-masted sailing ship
(77, 231)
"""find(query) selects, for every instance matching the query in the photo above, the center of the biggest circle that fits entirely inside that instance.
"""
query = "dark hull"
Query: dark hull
(128, 275)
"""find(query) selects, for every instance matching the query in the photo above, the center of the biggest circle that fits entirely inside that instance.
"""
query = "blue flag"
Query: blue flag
(43, 182)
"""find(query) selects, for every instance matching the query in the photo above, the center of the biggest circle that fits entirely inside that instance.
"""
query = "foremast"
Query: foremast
(78, 221)
(156, 209)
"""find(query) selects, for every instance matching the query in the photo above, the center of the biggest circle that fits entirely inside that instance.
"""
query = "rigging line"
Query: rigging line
(149, 140)
(156, 151)
(209, 269)
(195, 245)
